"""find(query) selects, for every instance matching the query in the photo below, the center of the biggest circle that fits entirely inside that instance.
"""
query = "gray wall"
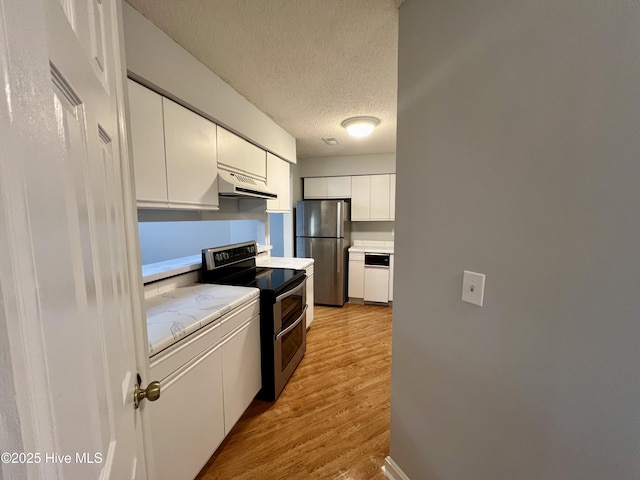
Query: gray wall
(518, 157)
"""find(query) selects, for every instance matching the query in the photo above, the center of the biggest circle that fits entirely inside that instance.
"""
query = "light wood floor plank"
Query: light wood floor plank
(332, 419)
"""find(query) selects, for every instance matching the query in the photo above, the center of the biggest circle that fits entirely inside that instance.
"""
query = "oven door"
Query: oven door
(290, 338)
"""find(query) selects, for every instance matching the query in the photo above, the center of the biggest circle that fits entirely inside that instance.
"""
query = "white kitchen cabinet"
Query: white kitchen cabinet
(187, 422)
(392, 196)
(147, 133)
(356, 275)
(315, 187)
(241, 374)
(310, 295)
(379, 200)
(278, 181)
(376, 284)
(207, 380)
(338, 187)
(327, 187)
(192, 169)
(391, 277)
(174, 153)
(373, 197)
(361, 197)
(238, 155)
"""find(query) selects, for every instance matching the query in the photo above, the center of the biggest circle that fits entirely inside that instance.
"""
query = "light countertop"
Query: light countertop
(152, 272)
(173, 315)
(371, 246)
(284, 262)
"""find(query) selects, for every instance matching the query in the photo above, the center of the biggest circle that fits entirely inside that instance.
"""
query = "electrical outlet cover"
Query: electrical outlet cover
(473, 287)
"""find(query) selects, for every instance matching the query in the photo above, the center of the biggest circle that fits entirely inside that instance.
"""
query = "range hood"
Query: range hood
(236, 185)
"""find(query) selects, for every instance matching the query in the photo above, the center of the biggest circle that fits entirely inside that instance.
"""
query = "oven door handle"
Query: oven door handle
(292, 289)
(292, 326)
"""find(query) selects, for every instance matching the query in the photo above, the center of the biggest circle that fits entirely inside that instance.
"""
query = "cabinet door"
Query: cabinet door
(241, 374)
(190, 144)
(338, 187)
(360, 197)
(390, 278)
(278, 181)
(147, 133)
(310, 300)
(356, 278)
(241, 156)
(392, 196)
(379, 197)
(187, 423)
(315, 187)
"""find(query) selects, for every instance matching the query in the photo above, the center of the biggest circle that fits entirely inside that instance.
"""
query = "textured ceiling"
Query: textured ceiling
(308, 64)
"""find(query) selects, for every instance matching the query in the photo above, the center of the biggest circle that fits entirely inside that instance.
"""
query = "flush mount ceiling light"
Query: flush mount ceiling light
(360, 126)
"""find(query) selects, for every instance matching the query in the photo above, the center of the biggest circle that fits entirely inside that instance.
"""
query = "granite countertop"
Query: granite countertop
(284, 262)
(371, 246)
(173, 315)
(152, 272)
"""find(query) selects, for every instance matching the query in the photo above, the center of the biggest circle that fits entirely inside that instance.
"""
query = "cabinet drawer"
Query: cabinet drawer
(168, 361)
(240, 316)
(309, 271)
(356, 257)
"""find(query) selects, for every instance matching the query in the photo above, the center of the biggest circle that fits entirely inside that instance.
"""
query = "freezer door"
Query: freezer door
(330, 267)
(321, 218)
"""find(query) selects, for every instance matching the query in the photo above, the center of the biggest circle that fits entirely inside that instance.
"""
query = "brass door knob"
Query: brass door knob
(151, 393)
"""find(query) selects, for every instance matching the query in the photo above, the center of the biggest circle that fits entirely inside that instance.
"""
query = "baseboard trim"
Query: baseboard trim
(392, 471)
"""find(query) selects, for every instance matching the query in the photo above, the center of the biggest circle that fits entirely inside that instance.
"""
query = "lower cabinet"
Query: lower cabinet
(310, 295)
(188, 419)
(356, 275)
(207, 382)
(241, 380)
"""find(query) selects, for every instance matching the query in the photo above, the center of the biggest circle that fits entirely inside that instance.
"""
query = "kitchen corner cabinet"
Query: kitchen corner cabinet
(238, 155)
(279, 182)
(371, 197)
(174, 153)
(327, 187)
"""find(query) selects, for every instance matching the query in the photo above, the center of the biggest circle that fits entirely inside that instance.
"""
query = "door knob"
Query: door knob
(151, 393)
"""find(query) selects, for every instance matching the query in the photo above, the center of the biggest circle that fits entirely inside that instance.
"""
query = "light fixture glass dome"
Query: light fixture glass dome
(360, 126)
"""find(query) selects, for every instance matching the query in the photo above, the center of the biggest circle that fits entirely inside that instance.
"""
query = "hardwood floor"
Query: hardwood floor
(332, 419)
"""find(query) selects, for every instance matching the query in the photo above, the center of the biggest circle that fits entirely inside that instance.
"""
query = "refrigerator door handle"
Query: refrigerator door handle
(339, 258)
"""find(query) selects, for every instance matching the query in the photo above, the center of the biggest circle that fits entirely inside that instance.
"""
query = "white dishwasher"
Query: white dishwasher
(376, 277)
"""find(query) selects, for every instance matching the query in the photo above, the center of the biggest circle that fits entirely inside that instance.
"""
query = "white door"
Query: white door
(67, 293)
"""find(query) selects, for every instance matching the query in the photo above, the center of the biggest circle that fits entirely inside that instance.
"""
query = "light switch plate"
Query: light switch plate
(473, 287)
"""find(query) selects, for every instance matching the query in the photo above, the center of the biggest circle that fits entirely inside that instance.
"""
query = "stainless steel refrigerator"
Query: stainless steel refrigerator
(323, 232)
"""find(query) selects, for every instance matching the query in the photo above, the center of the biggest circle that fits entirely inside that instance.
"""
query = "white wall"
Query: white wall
(348, 165)
(518, 157)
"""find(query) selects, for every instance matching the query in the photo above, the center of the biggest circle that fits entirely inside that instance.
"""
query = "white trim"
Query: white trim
(392, 471)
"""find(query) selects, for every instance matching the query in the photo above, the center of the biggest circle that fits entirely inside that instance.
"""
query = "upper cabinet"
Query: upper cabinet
(190, 147)
(327, 187)
(238, 155)
(174, 153)
(147, 134)
(278, 182)
(373, 197)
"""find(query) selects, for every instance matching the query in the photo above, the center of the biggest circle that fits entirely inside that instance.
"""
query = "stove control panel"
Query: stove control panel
(222, 256)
